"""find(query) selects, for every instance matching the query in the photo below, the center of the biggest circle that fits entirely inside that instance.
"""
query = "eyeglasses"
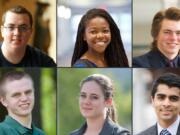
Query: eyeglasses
(20, 28)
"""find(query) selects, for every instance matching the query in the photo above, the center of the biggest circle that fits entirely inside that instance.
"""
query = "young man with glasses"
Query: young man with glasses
(16, 30)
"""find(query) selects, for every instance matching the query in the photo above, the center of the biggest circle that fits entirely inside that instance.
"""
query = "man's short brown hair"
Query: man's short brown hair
(18, 10)
(11, 76)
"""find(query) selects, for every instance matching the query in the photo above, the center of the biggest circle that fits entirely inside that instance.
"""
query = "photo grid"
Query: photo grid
(86, 67)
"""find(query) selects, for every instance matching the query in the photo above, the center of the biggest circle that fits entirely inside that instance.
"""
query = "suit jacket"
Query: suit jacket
(109, 128)
(153, 59)
(153, 131)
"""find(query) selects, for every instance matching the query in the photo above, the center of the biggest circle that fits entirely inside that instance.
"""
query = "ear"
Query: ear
(2, 31)
(108, 102)
(3, 101)
(152, 100)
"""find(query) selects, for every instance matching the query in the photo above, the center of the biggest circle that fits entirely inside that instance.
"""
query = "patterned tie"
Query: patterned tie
(165, 132)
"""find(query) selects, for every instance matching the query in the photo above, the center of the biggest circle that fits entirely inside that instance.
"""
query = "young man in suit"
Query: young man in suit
(17, 95)
(166, 41)
(165, 97)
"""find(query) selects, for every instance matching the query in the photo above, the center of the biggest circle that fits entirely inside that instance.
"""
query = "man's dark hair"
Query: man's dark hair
(169, 79)
(18, 10)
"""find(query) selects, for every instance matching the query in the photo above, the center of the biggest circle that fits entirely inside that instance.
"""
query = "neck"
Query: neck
(167, 123)
(169, 56)
(96, 58)
(26, 121)
(95, 124)
(13, 55)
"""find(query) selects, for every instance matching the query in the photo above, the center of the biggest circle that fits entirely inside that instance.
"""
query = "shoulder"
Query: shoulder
(83, 63)
(38, 131)
(143, 60)
(79, 131)
(113, 128)
(41, 58)
(75, 132)
(118, 130)
(150, 131)
(4, 129)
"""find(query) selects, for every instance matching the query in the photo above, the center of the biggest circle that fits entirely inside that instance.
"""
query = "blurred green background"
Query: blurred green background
(69, 117)
(44, 112)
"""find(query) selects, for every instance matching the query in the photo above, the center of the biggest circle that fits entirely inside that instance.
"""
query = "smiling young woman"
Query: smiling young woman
(97, 107)
(98, 42)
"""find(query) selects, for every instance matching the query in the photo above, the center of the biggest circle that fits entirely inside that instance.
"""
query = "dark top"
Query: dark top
(154, 59)
(84, 63)
(109, 128)
(33, 58)
(11, 127)
(153, 131)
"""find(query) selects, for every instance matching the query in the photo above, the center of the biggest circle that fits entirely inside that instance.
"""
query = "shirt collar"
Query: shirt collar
(175, 60)
(172, 128)
(16, 125)
(107, 128)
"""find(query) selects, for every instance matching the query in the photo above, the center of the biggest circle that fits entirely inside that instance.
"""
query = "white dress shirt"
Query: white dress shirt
(172, 128)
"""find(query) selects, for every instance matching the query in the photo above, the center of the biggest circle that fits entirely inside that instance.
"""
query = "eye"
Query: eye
(93, 32)
(28, 92)
(82, 96)
(10, 28)
(178, 33)
(94, 97)
(174, 98)
(16, 95)
(161, 97)
(167, 32)
(106, 31)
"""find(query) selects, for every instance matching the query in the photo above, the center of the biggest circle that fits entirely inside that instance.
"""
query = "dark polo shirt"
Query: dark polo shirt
(11, 127)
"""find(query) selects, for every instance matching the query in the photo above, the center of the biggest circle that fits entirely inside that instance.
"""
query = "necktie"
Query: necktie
(170, 63)
(165, 132)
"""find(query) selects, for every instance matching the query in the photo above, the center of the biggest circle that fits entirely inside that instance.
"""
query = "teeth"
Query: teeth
(100, 43)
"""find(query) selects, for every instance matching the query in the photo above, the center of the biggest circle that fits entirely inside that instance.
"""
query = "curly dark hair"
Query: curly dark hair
(115, 53)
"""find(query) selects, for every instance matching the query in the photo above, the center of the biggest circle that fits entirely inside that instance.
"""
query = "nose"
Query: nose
(87, 100)
(24, 97)
(16, 31)
(174, 36)
(99, 35)
(166, 102)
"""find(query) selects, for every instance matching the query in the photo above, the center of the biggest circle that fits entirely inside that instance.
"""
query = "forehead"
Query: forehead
(97, 22)
(170, 25)
(91, 87)
(18, 85)
(15, 18)
(166, 90)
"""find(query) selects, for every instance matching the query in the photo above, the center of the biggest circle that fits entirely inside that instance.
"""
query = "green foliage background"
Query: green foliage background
(69, 117)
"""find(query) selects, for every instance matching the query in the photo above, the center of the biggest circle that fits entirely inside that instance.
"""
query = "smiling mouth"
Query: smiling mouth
(24, 105)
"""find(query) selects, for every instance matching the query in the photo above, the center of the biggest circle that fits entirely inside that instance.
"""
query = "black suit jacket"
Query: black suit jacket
(153, 131)
(152, 59)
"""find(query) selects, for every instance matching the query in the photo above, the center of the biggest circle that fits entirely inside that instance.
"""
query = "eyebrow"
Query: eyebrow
(90, 93)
